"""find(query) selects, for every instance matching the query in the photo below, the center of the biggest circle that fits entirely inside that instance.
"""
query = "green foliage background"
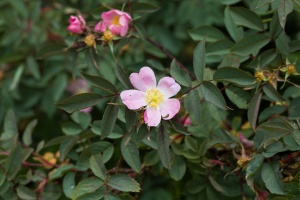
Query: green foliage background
(105, 154)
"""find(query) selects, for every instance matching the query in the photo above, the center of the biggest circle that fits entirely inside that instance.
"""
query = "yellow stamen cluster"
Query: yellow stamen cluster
(154, 98)
(291, 69)
(116, 20)
(243, 161)
(89, 40)
(259, 76)
(107, 36)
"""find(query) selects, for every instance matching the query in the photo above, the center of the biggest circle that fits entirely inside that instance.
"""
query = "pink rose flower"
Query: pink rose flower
(77, 24)
(156, 99)
(79, 86)
(115, 20)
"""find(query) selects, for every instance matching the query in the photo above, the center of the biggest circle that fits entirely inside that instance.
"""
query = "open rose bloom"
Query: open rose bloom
(114, 20)
(154, 98)
(77, 24)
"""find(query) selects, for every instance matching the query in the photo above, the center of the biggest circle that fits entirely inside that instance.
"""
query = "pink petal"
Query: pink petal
(169, 108)
(108, 16)
(124, 31)
(152, 117)
(168, 87)
(124, 21)
(82, 21)
(116, 30)
(143, 80)
(133, 99)
(100, 27)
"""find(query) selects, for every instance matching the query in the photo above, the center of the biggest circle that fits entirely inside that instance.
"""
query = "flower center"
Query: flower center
(107, 36)
(89, 40)
(291, 69)
(259, 76)
(154, 98)
(115, 20)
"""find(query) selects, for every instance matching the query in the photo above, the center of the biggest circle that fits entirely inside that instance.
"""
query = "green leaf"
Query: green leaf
(105, 148)
(33, 66)
(97, 166)
(253, 109)
(263, 3)
(26, 193)
(234, 75)
(271, 176)
(109, 118)
(130, 117)
(254, 164)
(212, 94)
(2, 176)
(4, 187)
(151, 158)
(59, 172)
(178, 168)
(163, 146)
(228, 2)
(270, 112)
(296, 135)
(20, 8)
(131, 154)
(111, 196)
(272, 93)
(82, 118)
(195, 186)
(263, 59)
(100, 83)
(238, 96)
(141, 7)
(27, 135)
(215, 184)
(96, 195)
(66, 146)
(86, 186)
(194, 106)
(199, 60)
(249, 44)
(70, 128)
(14, 162)
(17, 78)
(123, 183)
(79, 101)
(275, 27)
(245, 17)
(208, 33)
(123, 78)
(69, 184)
(177, 126)
(219, 48)
(234, 31)
(285, 7)
(282, 43)
(179, 75)
(10, 125)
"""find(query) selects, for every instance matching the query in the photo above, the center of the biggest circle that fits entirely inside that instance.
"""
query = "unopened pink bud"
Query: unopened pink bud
(246, 143)
(77, 24)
